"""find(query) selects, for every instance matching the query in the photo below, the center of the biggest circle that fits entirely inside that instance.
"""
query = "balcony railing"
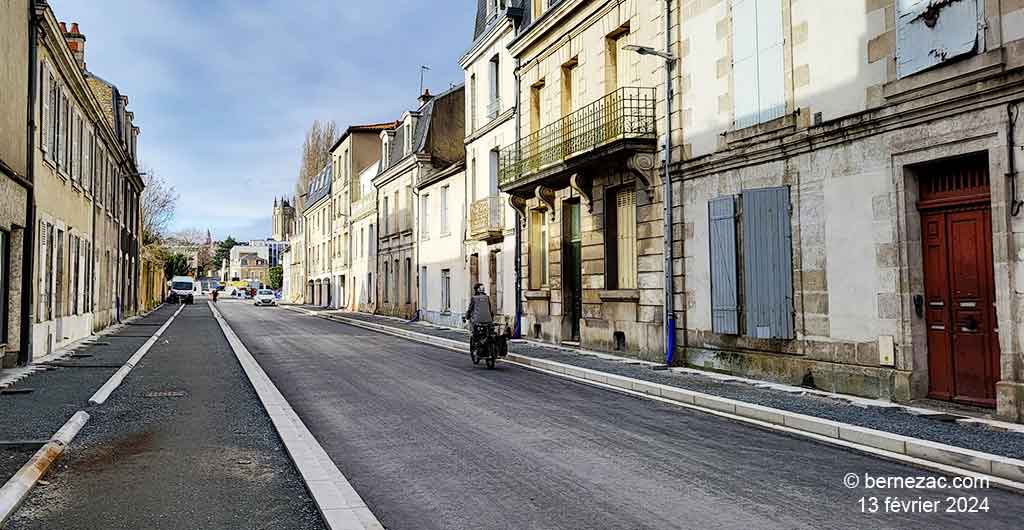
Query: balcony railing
(628, 112)
(486, 219)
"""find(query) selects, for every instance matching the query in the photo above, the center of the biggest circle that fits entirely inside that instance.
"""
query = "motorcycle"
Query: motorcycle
(488, 344)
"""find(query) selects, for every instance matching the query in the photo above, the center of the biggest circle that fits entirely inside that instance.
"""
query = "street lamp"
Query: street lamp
(647, 50)
(670, 60)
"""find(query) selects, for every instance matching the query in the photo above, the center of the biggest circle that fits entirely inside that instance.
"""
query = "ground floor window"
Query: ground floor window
(538, 244)
(621, 230)
(446, 290)
(408, 280)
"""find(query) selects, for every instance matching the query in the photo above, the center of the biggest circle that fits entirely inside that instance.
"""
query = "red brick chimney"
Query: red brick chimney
(76, 43)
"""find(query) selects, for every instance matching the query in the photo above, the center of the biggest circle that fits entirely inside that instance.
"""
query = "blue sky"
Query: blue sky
(224, 90)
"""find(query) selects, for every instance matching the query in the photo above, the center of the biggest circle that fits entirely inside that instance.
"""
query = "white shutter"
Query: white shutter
(44, 127)
(744, 63)
(918, 47)
(43, 231)
(625, 225)
(771, 85)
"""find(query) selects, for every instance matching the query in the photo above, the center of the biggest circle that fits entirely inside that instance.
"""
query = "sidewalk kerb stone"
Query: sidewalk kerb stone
(339, 504)
(859, 435)
(16, 490)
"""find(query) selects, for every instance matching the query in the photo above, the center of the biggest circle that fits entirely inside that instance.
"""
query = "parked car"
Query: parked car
(265, 297)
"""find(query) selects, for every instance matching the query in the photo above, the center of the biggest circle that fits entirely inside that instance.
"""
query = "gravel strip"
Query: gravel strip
(893, 420)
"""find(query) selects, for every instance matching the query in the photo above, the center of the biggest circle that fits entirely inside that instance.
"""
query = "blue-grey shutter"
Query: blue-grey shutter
(920, 46)
(768, 263)
(724, 295)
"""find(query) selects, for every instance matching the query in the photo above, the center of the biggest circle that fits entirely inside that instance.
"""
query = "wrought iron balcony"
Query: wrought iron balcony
(627, 113)
(487, 220)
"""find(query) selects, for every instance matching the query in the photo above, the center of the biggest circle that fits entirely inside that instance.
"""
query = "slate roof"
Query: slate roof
(319, 187)
(419, 139)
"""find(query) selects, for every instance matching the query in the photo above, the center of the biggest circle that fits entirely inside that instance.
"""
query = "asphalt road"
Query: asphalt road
(432, 442)
(183, 444)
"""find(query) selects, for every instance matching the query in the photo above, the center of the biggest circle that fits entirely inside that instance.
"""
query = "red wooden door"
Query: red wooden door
(963, 350)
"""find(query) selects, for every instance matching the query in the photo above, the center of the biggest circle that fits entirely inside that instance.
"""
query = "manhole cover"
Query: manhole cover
(165, 394)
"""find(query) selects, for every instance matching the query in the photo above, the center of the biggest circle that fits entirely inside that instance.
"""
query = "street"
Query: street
(432, 442)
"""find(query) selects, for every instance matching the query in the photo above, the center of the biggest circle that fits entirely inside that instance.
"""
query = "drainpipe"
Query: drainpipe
(1011, 169)
(670, 319)
(517, 331)
(25, 336)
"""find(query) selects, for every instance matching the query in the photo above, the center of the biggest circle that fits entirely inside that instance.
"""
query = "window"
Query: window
(446, 290)
(492, 182)
(385, 217)
(408, 280)
(423, 283)
(372, 243)
(408, 137)
(568, 73)
(369, 287)
(396, 276)
(425, 216)
(535, 107)
(759, 93)
(473, 195)
(387, 283)
(472, 102)
(621, 242)
(494, 106)
(538, 249)
(444, 210)
(498, 290)
(767, 274)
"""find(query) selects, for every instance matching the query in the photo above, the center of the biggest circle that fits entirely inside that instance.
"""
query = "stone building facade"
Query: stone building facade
(490, 124)
(15, 181)
(355, 151)
(861, 157)
(318, 218)
(87, 189)
(282, 220)
(582, 174)
(419, 146)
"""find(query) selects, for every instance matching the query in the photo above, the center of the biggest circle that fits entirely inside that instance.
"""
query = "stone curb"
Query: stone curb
(115, 380)
(339, 504)
(1006, 472)
(16, 490)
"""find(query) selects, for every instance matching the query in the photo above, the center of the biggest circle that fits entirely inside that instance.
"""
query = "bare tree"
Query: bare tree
(159, 200)
(316, 153)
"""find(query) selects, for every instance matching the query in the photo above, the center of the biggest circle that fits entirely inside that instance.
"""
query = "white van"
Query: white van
(182, 290)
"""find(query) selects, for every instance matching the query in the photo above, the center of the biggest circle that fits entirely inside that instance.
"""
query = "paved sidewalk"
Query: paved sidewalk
(184, 443)
(845, 409)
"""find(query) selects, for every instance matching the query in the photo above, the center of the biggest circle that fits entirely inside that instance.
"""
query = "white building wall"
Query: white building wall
(441, 249)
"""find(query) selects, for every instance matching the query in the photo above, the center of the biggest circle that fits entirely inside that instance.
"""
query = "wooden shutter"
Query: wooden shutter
(744, 62)
(46, 84)
(724, 288)
(43, 253)
(625, 228)
(768, 263)
(771, 85)
(918, 46)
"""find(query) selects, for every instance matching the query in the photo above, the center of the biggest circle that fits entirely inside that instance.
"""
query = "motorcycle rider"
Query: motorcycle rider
(479, 315)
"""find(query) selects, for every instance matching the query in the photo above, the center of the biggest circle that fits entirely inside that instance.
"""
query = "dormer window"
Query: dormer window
(408, 136)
